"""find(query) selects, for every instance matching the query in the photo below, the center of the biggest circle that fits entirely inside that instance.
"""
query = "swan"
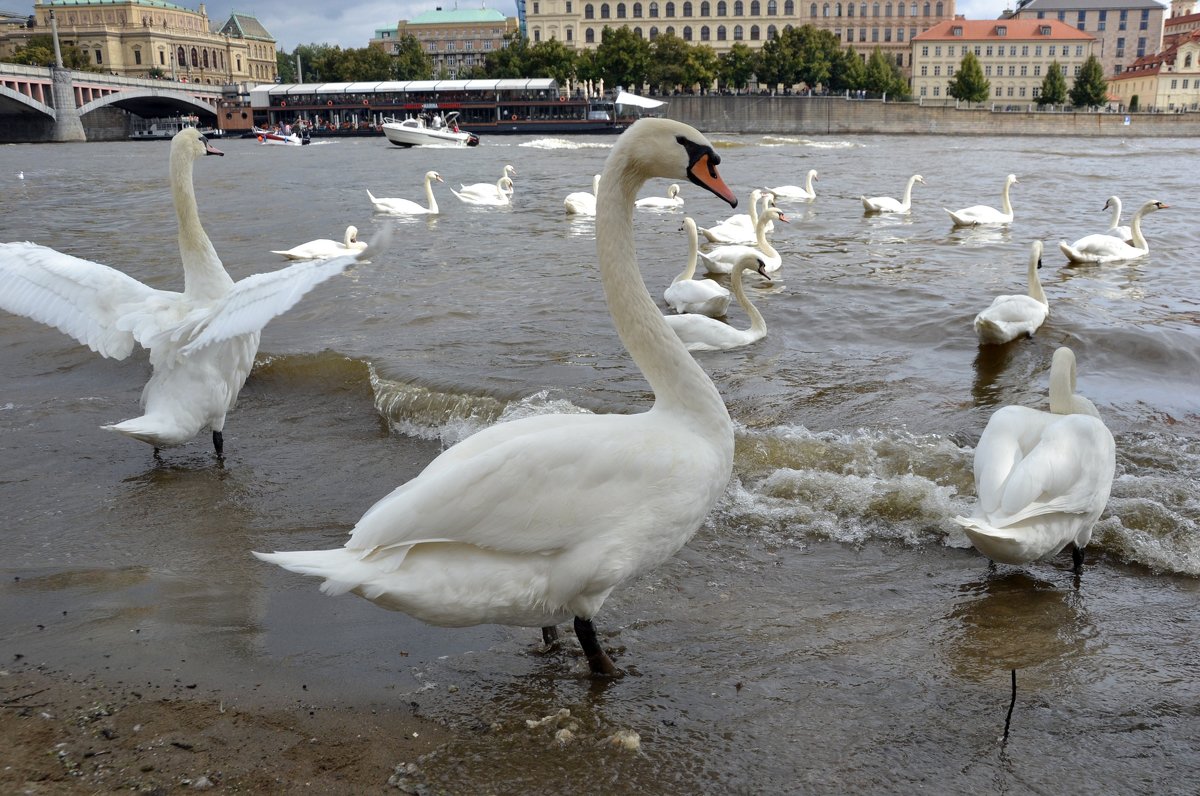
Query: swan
(535, 521)
(1114, 228)
(702, 333)
(671, 201)
(1042, 478)
(982, 214)
(323, 248)
(407, 207)
(722, 259)
(1009, 317)
(202, 341)
(583, 203)
(795, 191)
(886, 204)
(1108, 249)
(487, 189)
(699, 296)
(739, 228)
(501, 195)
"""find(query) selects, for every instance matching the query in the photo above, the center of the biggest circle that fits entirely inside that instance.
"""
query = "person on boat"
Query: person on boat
(437, 121)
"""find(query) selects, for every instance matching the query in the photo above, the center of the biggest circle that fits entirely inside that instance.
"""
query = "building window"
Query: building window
(737, 8)
(137, 57)
(1141, 48)
(687, 10)
(1001, 30)
(772, 8)
(620, 11)
(604, 11)
(722, 9)
(568, 6)
(589, 36)
(1037, 70)
(637, 10)
(754, 33)
(937, 71)
(687, 33)
(669, 10)
(937, 91)
(589, 11)
(705, 9)
(704, 33)
(737, 33)
(720, 33)
(653, 32)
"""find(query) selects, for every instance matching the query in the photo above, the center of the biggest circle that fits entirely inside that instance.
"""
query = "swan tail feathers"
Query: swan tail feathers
(154, 430)
(342, 569)
(1075, 255)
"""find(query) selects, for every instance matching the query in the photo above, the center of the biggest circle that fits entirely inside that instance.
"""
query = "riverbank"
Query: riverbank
(802, 115)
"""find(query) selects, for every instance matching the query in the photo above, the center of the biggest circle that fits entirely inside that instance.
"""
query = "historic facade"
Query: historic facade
(457, 39)
(887, 24)
(1167, 81)
(1125, 30)
(154, 38)
(1014, 54)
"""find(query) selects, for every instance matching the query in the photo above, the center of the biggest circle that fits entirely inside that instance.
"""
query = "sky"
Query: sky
(351, 25)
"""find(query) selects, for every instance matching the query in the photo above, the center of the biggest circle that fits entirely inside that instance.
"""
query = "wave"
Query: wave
(785, 140)
(562, 143)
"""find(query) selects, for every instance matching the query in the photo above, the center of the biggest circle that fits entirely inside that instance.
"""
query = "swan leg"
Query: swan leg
(549, 635)
(598, 659)
(219, 443)
(1077, 558)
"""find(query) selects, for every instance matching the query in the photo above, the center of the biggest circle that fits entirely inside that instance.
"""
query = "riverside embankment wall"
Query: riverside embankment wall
(790, 115)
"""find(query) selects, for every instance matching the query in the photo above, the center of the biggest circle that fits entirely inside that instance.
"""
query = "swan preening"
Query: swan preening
(323, 248)
(795, 191)
(672, 201)
(1106, 248)
(722, 259)
(500, 195)
(488, 189)
(698, 296)
(202, 341)
(886, 204)
(1114, 227)
(740, 227)
(535, 521)
(982, 214)
(702, 333)
(582, 203)
(407, 207)
(1042, 478)
(1009, 317)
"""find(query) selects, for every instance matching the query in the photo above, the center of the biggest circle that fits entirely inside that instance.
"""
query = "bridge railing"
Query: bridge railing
(100, 78)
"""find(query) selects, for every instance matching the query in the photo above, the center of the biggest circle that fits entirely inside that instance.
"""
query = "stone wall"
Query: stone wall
(836, 115)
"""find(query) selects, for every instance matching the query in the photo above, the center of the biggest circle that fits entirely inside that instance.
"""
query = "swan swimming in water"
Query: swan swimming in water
(407, 207)
(722, 259)
(671, 201)
(739, 228)
(698, 296)
(886, 204)
(982, 214)
(701, 333)
(487, 190)
(500, 196)
(582, 203)
(1109, 249)
(1042, 478)
(534, 522)
(1114, 227)
(795, 191)
(323, 248)
(202, 341)
(1009, 317)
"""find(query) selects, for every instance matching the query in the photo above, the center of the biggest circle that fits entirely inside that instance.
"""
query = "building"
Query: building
(1183, 18)
(154, 38)
(1125, 30)
(1015, 55)
(887, 24)
(1167, 81)
(457, 39)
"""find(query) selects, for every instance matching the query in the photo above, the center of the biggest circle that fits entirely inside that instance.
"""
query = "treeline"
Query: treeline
(39, 51)
(804, 55)
(1090, 89)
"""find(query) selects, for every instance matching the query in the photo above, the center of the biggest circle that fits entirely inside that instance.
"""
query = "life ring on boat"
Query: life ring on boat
(562, 99)
(329, 103)
(513, 117)
(366, 103)
(283, 104)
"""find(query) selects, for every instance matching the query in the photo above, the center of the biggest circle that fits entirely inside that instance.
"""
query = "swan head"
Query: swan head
(1111, 201)
(689, 225)
(433, 175)
(1153, 205)
(918, 178)
(506, 184)
(666, 148)
(673, 191)
(750, 262)
(812, 173)
(1010, 180)
(191, 144)
(1035, 253)
(351, 234)
(509, 171)
(775, 214)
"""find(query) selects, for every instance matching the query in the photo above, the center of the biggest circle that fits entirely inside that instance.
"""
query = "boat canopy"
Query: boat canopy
(625, 98)
(260, 95)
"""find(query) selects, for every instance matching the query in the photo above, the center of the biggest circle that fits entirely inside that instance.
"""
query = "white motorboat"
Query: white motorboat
(419, 132)
(280, 138)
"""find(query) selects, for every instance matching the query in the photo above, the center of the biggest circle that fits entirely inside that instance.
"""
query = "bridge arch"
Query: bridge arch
(8, 96)
(151, 102)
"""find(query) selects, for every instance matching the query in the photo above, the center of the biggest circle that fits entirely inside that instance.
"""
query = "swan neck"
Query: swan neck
(693, 251)
(908, 192)
(430, 201)
(203, 275)
(758, 324)
(1116, 214)
(1035, 282)
(1062, 388)
(1008, 211)
(678, 382)
(1135, 227)
(760, 233)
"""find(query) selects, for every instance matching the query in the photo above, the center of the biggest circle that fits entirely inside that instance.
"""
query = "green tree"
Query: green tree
(550, 58)
(736, 67)
(623, 58)
(883, 77)
(703, 65)
(285, 66)
(968, 83)
(1054, 86)
(670, 66)
(511, 59)
(410, 61)
(1090, 89)
(39, 51)
(847, 72)
(366, 63)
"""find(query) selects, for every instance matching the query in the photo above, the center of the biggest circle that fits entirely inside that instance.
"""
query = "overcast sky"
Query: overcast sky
(295, 22)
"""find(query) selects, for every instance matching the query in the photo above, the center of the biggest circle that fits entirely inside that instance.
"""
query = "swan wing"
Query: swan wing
(80, 298)
(255, 300)
(882, 204)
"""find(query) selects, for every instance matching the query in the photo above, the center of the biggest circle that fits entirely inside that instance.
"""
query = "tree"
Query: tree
(511, 59)
(550, 58)
(736, 67)
(623, 58)
(671, 64)
(968, 83)
(1054, 86)
(39, 51)
(410, 61)
(366, 63)
(847, 72)
(1090, 89)
(883, 77)
(800, 55)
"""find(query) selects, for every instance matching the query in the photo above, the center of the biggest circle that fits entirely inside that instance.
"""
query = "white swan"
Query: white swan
(982, 214)
(886, 204)
(795, 191)
(1009, 317)
(1042, 478)
(1108, 249)
(487, 189)
(323, 248)
(702, 333)
(1114, 228)
(699, 296)
(202, 341)
(722, 259)
(501, 195)
(671, 201)
(582, 203)
(407, 207)
(740, 227)
(537, 520)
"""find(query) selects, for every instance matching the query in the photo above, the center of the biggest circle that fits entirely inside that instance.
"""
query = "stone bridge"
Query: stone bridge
(52, 104)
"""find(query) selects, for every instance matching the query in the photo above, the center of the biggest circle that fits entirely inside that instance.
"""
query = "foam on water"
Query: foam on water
(786, 140)
(562, 143)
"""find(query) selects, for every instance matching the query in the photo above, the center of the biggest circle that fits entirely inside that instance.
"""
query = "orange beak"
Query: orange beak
(704, 173)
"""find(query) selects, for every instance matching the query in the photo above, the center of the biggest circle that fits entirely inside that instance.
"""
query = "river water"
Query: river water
(828, 630)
